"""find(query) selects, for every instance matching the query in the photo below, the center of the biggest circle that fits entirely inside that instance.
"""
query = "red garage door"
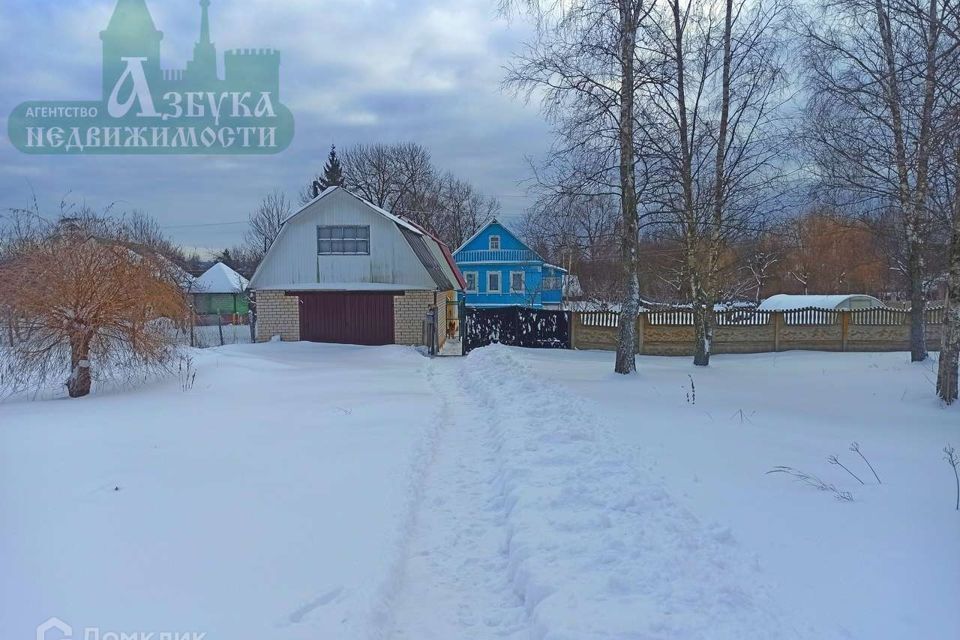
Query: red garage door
(347, 318)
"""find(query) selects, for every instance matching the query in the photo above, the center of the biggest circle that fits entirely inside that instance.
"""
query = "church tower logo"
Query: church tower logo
(146, 109)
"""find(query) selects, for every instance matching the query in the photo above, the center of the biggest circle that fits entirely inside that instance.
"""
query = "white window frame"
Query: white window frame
(359, 234)
(499, 288)
(476, 281)
(490, 243)
(523, 281)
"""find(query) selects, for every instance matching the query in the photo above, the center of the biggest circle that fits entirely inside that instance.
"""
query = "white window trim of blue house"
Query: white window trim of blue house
(491, 243)
(476, 281)
(523, 281)
(499, 276)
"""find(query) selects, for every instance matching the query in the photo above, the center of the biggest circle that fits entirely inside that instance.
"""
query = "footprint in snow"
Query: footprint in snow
(297, 616)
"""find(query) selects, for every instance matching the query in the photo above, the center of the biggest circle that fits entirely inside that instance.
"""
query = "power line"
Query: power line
(206, 224)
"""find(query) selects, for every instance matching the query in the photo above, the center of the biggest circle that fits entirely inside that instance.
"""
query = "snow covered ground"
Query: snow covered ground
(318, 491)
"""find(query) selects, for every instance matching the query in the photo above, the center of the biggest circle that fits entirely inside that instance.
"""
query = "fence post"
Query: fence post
(641, 325)
(572, 322)
(844, 328)
(193, 322)
(777, 325)
(220, 327)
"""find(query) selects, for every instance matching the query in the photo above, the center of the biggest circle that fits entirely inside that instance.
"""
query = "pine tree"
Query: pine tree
(332, 173)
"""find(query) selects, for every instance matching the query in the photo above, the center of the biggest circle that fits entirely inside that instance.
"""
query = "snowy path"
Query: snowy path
(456, 580)
(535, 523)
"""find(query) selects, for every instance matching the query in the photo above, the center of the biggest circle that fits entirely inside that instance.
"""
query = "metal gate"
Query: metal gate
(515, 326)
(347, 318)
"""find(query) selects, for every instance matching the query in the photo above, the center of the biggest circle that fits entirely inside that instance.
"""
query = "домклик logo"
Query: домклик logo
(145, 109)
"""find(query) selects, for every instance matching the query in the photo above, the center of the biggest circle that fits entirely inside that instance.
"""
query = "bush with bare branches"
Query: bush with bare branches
(86, 297)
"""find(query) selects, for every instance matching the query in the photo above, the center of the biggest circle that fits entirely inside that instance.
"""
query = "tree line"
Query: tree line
(692, 129)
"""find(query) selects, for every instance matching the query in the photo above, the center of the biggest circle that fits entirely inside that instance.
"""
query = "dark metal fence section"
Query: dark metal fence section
(516, 327)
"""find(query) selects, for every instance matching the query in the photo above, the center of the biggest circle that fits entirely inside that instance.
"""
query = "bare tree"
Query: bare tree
(265, 222)
(710, 127)
(88, 297)
(877, 115)
(584, 63)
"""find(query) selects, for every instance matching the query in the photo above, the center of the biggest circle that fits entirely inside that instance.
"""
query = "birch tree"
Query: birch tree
(709, 127)
(583, 64)
(950, 347)
(947, 373)
(877, 114)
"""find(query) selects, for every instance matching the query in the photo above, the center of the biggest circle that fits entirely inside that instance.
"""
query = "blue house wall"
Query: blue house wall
(479, 257)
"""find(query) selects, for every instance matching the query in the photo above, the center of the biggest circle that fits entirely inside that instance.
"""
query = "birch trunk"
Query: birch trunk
(950, 347)
(705, 299)
(703, 330)
(912, 201)
(627, 334)
(947, 372)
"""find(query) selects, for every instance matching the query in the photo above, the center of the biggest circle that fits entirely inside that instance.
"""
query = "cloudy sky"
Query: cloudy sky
(352, 71)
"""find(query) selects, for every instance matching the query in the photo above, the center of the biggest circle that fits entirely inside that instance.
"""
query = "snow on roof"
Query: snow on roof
(220, 279)
(787, 302)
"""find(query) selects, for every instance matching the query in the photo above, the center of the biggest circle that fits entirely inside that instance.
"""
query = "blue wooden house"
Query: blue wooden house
(500, 270)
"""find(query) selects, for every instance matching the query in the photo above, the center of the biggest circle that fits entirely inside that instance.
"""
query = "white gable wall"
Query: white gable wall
(293, 260)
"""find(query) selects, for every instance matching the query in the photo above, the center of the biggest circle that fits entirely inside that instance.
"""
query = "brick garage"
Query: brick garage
(282, 313)
(342, 270)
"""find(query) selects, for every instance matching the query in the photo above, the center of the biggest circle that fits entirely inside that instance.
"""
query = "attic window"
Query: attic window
(343, 240)
(494, 243)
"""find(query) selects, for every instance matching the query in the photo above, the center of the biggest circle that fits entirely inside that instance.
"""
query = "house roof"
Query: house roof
(484, 227)
(418, 238)
(419, 245)
(787, 302)
(220, 279)
(448, 261)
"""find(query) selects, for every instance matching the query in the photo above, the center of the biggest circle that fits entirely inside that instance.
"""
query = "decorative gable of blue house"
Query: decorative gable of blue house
(500, 270)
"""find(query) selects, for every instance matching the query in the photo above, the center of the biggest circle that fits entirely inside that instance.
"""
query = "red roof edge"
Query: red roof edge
(446, 254)
(453, 266)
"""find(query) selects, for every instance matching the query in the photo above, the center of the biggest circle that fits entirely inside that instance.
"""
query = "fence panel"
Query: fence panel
(811, 316)
(599, 318)
(744, 318)
(671, 317)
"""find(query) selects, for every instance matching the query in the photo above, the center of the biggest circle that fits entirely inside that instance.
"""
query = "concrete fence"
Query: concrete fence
(671, 332)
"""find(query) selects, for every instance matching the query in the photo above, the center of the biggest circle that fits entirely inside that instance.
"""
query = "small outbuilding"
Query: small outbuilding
(344, 270)
(220, 291)
(844, 302)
